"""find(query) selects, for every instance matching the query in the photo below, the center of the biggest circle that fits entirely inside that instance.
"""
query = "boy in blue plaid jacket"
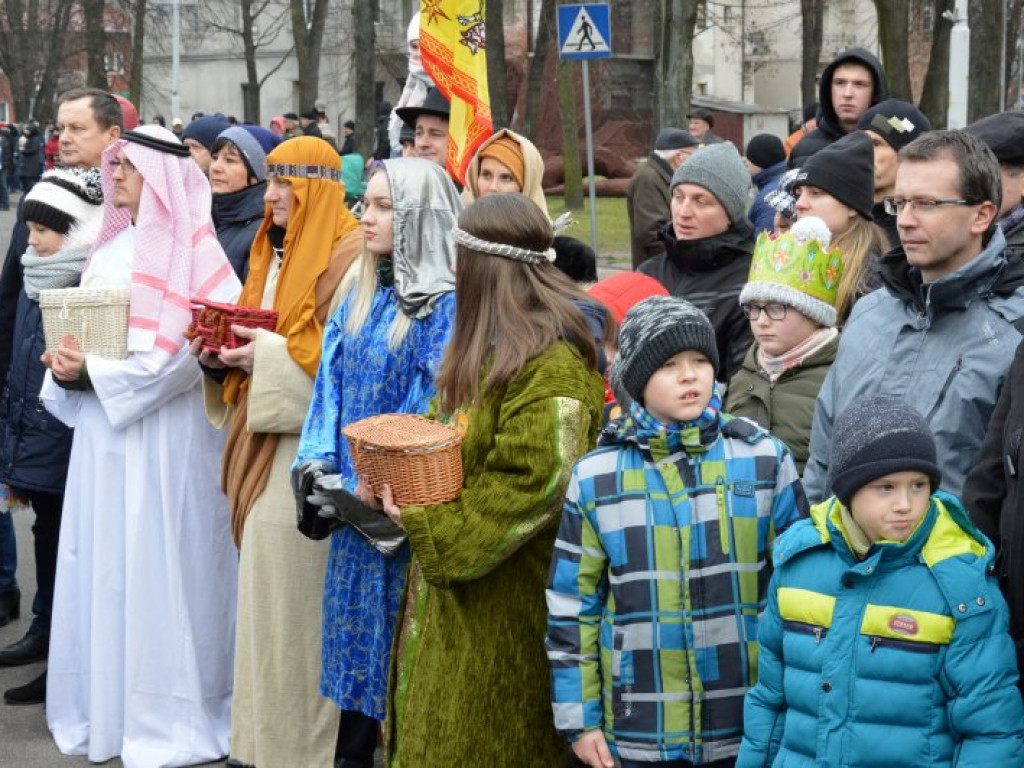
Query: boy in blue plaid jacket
(661, 567)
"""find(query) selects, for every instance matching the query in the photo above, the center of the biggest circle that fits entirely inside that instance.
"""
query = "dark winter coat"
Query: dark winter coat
(648, 205)
(7, 151)
(11, 281)
(31, 151)
(762, 215)
(711, 272)
(994, 494)
(35, 447)
(237, 217)
(1014, 234)
(887, 223)
(829, 128)
(786, 409)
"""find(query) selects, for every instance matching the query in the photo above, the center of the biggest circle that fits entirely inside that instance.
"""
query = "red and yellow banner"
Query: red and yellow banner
(452, 44)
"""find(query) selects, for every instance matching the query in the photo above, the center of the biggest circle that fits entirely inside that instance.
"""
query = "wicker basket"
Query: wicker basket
(420, 459)
(212, 322)
(96, 317)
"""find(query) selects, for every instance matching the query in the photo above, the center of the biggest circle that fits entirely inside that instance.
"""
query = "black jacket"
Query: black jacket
(710, 273)
(1015, 239)
(30, 147)
(11, 280)
(237, 218)
(829, 128)
(994, 493)
(35, 446)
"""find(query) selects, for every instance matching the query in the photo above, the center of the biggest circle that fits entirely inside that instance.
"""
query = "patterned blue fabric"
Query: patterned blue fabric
(360, 377)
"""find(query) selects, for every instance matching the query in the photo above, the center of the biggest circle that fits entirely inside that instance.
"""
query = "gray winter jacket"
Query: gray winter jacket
(945, 348)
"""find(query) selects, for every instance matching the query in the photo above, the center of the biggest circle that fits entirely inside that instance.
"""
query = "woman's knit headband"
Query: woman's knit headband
(462, 237)
(296, 170)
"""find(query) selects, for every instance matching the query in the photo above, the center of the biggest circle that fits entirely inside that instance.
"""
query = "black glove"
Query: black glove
(309, 521)
(338, 507)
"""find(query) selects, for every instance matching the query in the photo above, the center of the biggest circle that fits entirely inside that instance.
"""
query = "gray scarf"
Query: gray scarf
(61, 270)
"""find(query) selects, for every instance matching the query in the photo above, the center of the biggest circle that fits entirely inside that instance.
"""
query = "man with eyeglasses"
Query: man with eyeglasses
(940, 334)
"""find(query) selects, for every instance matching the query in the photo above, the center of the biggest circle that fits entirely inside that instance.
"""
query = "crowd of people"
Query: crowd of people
(752, 503)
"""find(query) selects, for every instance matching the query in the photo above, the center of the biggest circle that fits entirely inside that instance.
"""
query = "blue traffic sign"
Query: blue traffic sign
(584, 31)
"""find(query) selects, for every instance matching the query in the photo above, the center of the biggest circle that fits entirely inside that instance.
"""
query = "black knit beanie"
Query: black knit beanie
(898, 122)
(653, 331)
(876, 436)
(765, 150)
(844, 169)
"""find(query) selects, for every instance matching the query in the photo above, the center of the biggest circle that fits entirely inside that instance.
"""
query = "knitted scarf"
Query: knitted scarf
(1013, 217)
(693, 437)
(61, 270)
(776, 366)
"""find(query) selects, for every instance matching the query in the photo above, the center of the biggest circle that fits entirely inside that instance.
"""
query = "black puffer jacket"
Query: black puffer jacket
(35, 446)
(710, 273)
(829, 128)
(237, 217)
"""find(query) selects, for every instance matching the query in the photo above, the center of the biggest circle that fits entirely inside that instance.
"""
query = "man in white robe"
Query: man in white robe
(141, 647)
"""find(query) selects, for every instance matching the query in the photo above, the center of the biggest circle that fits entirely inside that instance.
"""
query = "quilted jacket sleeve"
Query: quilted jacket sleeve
(980, 673)
(577, 588)
(764, 704)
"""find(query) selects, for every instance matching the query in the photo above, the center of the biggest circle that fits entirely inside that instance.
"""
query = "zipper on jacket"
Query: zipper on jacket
(905, 645)
(803, 628)
(722, 497)
(945, 387)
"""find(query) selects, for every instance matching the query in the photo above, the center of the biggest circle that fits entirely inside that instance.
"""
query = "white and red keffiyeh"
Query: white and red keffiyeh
(177, 257)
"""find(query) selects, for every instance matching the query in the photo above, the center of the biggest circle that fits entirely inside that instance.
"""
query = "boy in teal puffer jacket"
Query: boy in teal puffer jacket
(661, 566)
(885, 639)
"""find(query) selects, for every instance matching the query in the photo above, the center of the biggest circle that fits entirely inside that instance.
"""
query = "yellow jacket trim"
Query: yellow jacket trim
(907, 624)
(806, 606)
(948, 539)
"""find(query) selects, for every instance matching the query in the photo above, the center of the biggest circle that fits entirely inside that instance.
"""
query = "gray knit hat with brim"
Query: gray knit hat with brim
(653, 331)
(720, 170)
(877, 436)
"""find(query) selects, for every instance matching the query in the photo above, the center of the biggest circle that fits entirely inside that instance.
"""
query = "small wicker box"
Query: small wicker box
(212, 323)
(96, 317)
(420, 459)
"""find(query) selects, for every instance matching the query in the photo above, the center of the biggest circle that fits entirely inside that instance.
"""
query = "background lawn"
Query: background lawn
(612, 227)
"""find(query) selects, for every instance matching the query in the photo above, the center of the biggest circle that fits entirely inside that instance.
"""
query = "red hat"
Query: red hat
(621, 291)
(129, 114)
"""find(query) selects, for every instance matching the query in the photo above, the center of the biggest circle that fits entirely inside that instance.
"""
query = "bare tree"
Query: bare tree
(31, 51)
(987, 28)
(252, 38)
(893, 32)
(497, 83)
(95, 43)
(935, 94)
(137, 12)
(308, 34)
(366, 92)
(673, 61)
(535, 79)
(573, 171)
(812, 14)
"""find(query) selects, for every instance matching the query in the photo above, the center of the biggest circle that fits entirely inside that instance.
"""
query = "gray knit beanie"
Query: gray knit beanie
(876, 436)
(654, 330)
(720, 170)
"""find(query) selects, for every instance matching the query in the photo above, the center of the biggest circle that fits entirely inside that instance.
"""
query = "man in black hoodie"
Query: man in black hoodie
(850, 85)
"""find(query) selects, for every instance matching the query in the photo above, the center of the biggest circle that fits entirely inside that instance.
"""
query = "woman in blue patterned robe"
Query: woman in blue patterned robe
(382, 350)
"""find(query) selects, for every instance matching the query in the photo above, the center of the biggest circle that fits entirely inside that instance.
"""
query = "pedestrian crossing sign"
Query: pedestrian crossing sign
(584, 31)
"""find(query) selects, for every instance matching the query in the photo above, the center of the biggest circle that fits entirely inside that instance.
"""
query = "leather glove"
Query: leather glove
(339, 507)
(309, 520)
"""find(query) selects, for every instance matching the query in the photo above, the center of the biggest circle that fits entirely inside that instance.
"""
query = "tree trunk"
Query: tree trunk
(497, 82)
(986, 21)
(309, 36)
(811, 14)
(935, 94)
(366, 95)
(893, 33)
(535, 84)
(673, 62)
(138, 48)
(1014, 55)
(33, 41)
(570, 135)
(251, 108)
(95, 43)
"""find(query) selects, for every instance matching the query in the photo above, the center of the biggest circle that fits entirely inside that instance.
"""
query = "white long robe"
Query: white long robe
(143, 617)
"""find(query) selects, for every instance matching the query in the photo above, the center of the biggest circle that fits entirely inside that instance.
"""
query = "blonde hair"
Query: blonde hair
(364, 286)
(860, 245)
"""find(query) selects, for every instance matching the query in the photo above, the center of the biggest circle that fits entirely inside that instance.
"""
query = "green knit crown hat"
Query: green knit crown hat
(797, 269)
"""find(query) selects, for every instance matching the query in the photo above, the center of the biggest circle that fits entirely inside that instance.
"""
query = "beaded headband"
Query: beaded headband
(501, 249)
(296, 170)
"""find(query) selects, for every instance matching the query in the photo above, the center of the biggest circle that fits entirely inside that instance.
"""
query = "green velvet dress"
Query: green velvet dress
(469, 681)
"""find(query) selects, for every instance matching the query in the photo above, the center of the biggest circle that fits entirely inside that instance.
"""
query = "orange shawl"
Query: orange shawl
(322, 240)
